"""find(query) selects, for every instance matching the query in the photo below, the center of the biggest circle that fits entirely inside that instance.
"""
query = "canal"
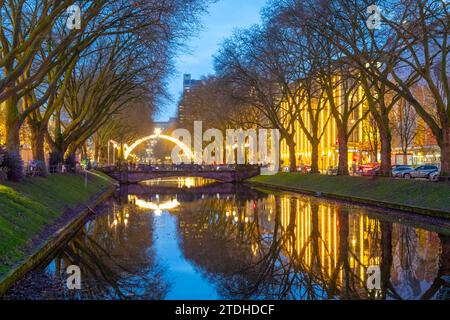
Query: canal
(190, 238)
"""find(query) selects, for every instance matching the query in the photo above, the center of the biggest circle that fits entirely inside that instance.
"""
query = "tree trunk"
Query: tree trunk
(57, 154)
(37, 142)
(344, 227)
(96, 153)
(315, 157)
(386, 256)
(71, 151)
(445, 152)
(386, 152)
(70, 159)
(292, 158)
(343, 155)
(12, 126)
(315, 237)
(37, 146)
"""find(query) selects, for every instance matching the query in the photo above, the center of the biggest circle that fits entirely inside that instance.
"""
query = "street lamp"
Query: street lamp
(158, 131)
(114, 152)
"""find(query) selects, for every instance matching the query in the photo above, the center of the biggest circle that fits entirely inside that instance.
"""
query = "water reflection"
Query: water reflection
(304, 248)
(197, 239)
(157, 207)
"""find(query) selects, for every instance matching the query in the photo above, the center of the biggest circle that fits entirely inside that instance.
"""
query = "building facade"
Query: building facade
(364, 144)
(360, 148)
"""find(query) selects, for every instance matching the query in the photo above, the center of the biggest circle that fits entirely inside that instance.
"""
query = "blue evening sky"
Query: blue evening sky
(224, 16)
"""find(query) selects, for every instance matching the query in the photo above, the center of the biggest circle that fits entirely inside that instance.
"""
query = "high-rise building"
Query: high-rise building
(188, 83)
(184, 118)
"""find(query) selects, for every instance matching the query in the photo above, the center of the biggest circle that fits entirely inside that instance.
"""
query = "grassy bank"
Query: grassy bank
(408, 193)
(26, 208)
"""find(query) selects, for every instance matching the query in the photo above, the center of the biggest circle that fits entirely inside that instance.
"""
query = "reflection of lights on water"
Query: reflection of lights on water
(236, 219)
(354, 242)
(192, 182)
(246, 219)
(127, 215)
(227, 213)
(375, 293)
(125, 221)
(115, 222)
(186, 182)
(254, 249)
(157, 207)
(234, 213)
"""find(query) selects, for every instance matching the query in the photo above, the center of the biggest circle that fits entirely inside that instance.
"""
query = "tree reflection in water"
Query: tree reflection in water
(115, 256)
(289, 247)
(248, 245)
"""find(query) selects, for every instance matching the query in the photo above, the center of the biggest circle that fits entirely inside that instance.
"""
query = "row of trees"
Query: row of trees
(68, 74)
(308, 57)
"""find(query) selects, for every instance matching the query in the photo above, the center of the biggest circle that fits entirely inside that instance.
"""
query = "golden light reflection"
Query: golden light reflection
(157, 207)
(316, 236)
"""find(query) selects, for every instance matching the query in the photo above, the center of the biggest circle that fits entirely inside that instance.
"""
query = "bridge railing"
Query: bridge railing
(179, 167)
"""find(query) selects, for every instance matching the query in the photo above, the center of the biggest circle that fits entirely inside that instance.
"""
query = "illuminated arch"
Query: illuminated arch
(185, 148)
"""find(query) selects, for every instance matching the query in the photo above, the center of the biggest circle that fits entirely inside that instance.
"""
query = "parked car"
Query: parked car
(332, 171)
(366, 169)
(396, 166)
(421, 172)
(374, 172)
(400, 171)
(434, 176)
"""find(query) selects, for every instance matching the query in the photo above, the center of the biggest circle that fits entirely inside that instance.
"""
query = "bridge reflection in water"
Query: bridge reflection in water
(240, 243)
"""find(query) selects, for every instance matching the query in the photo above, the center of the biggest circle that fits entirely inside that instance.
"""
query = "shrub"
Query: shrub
(71, 164)
(14, 165)
(39, 167)
(89, 165)
(3, 167)
(55, 159)
(86, 164)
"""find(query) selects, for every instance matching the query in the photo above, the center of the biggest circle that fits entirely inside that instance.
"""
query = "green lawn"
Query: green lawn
(27, 207)
(415, 193)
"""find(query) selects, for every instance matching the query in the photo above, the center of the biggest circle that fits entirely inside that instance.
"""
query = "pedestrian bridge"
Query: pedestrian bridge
(132, 175)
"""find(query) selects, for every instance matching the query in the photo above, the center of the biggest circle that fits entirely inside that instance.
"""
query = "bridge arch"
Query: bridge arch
(184, 147)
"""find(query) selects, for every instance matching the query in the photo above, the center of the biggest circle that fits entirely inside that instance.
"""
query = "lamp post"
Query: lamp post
(114, 153)
(108, 152)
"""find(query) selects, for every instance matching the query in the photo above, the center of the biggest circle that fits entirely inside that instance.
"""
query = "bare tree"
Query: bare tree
(251, 63)
(409, 47)
(405, 126)
(372, 137)
(38, 52)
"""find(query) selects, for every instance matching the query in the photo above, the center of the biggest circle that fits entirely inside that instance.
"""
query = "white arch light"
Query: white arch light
(184, 147)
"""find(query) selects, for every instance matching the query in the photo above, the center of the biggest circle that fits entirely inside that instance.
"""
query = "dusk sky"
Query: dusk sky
(224, 16)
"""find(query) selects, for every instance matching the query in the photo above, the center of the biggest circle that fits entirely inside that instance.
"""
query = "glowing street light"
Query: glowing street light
(158, 131)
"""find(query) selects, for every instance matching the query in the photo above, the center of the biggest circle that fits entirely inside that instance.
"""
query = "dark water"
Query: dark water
(192, 239)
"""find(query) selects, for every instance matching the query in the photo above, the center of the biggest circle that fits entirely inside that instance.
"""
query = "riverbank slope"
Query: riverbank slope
(33, 211)
(416, 196)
